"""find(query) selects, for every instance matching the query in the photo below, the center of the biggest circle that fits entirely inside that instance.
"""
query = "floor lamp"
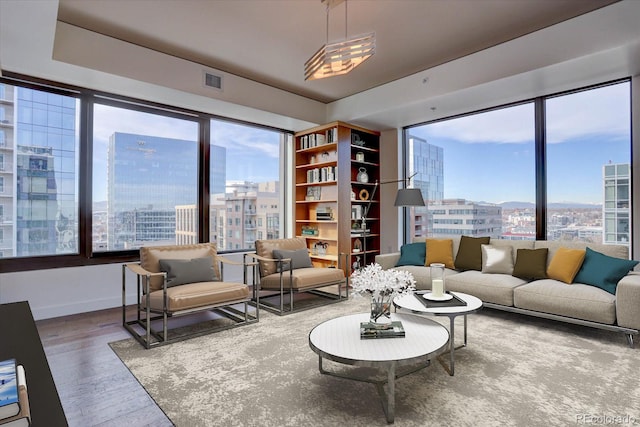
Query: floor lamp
(404, 197)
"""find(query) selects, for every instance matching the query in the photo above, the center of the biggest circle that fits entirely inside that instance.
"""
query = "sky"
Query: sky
(487, 157)
(252, 153)
(490, 156)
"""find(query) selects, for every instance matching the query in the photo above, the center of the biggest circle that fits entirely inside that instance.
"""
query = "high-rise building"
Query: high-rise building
(427, 163)
(455, 217)
(617, 197)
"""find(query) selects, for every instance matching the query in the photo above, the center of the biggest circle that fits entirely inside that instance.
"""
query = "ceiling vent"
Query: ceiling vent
(212, 80)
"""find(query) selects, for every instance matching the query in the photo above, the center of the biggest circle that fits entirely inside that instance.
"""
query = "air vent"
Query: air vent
(212, 80)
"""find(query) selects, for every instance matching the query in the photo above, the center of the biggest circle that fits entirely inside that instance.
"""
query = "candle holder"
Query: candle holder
(437, 280)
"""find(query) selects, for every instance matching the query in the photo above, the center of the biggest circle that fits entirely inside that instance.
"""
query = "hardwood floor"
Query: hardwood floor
(95, 387)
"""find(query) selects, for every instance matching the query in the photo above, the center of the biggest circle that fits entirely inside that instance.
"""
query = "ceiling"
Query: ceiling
(269, 41)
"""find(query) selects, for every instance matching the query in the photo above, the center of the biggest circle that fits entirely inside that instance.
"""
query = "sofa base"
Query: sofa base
(629, 332)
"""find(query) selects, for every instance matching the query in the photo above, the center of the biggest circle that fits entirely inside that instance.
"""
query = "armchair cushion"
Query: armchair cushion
(194, 295)
(264, 248)
(181, 271)
(304, 279)
(150, 257)
(299, 258)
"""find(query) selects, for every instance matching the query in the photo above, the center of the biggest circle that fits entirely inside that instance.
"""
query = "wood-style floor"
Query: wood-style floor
(95, 388)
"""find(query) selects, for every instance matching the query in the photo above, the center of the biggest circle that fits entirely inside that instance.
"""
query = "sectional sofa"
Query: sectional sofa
(581, 283)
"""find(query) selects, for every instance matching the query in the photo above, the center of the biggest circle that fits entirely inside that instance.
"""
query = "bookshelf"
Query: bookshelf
(332, 193)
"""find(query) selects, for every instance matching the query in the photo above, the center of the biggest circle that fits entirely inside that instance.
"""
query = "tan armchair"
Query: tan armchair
(178, 280)
(283, 267)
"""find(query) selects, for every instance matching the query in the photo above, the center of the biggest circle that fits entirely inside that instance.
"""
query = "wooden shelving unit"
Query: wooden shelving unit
(330, 198)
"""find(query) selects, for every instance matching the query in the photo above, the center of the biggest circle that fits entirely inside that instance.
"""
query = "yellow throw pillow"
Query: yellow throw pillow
(565, 264)
(440, 251)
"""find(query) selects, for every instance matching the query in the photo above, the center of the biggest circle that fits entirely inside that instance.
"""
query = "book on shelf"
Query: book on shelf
(19, 413)
(369, 330)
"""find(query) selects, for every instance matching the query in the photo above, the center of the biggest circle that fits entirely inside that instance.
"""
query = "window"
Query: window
(486, 169)
(144, 170)
(476, 173)
(245, 169)
(588, 136)
(1, 184)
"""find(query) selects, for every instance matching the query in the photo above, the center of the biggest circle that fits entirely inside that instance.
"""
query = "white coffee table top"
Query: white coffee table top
(410, 302)
(339, 340)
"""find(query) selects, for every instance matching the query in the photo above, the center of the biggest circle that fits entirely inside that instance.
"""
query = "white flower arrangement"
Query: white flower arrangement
(379, 283)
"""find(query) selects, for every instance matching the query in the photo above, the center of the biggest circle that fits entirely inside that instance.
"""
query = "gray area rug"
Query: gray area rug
(517, 371)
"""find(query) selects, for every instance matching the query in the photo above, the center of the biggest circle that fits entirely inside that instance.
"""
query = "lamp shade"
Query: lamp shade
(409, 197)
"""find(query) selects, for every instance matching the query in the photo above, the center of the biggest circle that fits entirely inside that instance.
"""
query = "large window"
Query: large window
(487, 174)
(154, 178)
(588, 165)
(244, 187)
(145, 176)
(39, 173)
(476, 173)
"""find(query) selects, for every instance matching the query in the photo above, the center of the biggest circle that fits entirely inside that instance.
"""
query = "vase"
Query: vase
(380, 310)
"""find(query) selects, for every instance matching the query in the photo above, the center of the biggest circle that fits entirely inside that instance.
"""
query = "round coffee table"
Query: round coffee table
(339, 340)
(411, 303)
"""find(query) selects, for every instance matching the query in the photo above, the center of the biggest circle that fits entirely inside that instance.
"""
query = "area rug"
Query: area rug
(516, 370)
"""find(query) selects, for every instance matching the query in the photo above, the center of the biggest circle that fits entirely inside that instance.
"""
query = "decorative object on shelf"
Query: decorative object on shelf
(357, 245)
(353, 194)
(334, 59)
(364, 194)
(320, 248)
(313, 193)
(355, 140)
(308, 230)
(356, 212)
(356, 264)
(312, 159)
(324, 156)
(362, 176)
(324, 214)
(383, 286)
(359, 156)
(355, 226)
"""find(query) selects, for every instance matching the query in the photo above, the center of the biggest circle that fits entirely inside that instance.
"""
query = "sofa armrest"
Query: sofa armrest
(388, 261)
(628, 301)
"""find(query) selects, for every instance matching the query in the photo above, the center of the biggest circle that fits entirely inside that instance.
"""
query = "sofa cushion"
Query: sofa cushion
(565, 264)
(617, 251)
(531, 264)
(603, 271)
(497, 259)
(578, 301)
(494, 288)
(181, 271)
(299, 258)
(469, 256)
(304, 279)
(412, 254)
(439, 251)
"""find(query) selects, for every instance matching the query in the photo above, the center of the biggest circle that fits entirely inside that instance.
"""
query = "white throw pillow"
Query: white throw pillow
(497, 259)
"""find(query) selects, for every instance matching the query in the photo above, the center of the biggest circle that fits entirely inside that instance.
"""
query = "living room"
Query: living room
(593, 48)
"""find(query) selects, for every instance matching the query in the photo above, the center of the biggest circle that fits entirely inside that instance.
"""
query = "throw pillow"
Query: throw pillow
(183, 271)
(299, 258)
(497, 259)
(531, 264)
(469, 255)
(603, 271)
(439, 251)
(565, 264)
(412, 254)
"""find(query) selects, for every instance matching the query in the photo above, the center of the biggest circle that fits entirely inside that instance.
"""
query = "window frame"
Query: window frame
(88, 98)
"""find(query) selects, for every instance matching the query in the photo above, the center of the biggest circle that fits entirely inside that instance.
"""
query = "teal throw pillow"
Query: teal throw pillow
(183, 271)
(603, 271)
(412, 254)
(299, 258)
